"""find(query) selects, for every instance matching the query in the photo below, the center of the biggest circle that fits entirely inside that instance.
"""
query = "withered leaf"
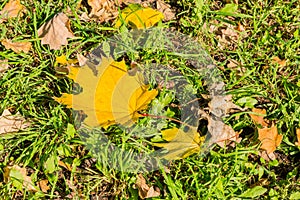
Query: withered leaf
(258, 117)
(11, 123)
(3, 65)
(56, 31)
(144, 190)
(19, 178)
(12, 9)
(269, 138)
(16, 46)
(103, 10)
(165, 9)
(43, 184)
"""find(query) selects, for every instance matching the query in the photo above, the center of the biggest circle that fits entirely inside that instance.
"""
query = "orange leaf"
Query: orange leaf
(56, 31)
(16, 46)
(269, 138)
(258, 117)
(11, 9)
(298, 136)
(43, 184)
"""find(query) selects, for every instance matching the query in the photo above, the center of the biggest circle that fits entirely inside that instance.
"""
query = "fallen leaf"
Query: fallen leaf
(298, 137)
(56, 31)
(103, 10)
(43, 184)
(17, 47)
(81, 60)
(219, 132)
(3, 65)
(269, 138)
(180, 144)
(64, 61)
(165, 9)
(277, 60)
(12, 9)
(139, 17)
(144, 190)
(19, 178)
(258, 117)
(112, 96)
(11, 123)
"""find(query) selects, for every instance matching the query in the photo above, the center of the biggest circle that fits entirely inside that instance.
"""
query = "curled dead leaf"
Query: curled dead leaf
(144, 190)
(269, 138)
(56, 31)
(11, 123)
(103, 10)
(12, 9)
(17, 47)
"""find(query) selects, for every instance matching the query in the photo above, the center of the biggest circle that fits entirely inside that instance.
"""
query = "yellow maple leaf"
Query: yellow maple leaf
(180, 144)
(139, 17)
(113, 96)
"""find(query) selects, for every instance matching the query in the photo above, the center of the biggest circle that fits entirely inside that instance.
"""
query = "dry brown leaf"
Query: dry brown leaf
(3, 65)
(12, 9)
(19, 178)
(298, 137)
(43, 184)
(65, 165)
(81, 60)
(259, 117)
(269, 138)
(277, 60)
(11, 123)
(103, 10)
(16, 46)
(56, 31)
(144, 190)
(165, 9)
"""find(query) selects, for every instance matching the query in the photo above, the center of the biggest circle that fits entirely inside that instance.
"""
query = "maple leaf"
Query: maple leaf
(269, 138)
(112, 96)
(180, 144)
(56, 31)
(139, 17)
(11, 123)
(258, 116)
(267, 135)
(12, 9)
(16, 46)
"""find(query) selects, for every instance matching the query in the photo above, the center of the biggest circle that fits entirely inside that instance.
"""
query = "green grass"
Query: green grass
(271, 29)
